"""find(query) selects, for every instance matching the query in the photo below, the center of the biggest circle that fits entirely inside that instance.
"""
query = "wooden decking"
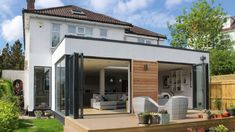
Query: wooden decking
(129, 123)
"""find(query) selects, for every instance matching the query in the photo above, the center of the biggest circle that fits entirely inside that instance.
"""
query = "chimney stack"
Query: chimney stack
(30, 4)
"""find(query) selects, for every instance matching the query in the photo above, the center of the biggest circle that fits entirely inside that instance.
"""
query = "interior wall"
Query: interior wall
(144, 80)
(187, 87)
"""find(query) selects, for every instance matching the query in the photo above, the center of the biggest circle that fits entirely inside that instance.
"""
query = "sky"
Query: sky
(149, 14)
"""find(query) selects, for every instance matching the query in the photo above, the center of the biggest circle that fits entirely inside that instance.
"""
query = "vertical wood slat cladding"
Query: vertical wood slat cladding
(145, 82)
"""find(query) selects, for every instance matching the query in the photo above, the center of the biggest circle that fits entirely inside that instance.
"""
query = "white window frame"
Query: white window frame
(84, 31)
(52, 31)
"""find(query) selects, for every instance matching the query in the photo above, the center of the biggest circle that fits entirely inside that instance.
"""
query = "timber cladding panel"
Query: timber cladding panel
(145, 80)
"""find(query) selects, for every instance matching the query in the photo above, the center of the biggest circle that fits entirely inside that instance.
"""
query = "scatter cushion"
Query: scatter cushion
(104, 98)
(123, 98)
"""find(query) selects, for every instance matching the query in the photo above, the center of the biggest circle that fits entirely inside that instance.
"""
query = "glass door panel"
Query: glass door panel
(200, 92)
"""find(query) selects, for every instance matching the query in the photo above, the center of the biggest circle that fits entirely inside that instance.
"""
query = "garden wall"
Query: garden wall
(13, 75)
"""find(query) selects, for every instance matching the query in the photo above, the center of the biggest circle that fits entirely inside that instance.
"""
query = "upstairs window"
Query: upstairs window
(55, 34)
(103, 33)
(89, 32)
(148, 41)
(72, 30)
(81, 31)
(142, 40)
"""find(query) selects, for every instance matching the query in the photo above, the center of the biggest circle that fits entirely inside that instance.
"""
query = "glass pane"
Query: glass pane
(42, 79)
(81, 30)
(103, 33)
(141, 40)
(148, 41)
(72, 29)
(55, 38)
(89, 31)
(200, 87)
(60, 86)
(56, 27)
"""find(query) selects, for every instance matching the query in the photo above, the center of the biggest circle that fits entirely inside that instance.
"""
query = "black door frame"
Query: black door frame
(206, 78)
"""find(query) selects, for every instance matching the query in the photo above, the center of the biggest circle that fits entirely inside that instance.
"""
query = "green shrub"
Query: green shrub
(6, 88)
(9, 116)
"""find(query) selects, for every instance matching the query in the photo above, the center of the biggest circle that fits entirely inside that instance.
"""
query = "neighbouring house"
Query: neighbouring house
(78, 63)
(229, 29)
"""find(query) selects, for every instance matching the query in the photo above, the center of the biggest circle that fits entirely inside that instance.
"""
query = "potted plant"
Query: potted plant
(38, 113)
(231, 109)
(217, 104)
(144, 118)
(226, 113)
(155, 118)
(164, 116)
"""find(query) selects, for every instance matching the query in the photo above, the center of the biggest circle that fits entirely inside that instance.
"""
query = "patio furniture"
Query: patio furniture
(109, 101)
(163, 98)
(145, 104)
(177, 107)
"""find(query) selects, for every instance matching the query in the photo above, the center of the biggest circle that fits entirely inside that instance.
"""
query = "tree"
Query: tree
(12, 57)
(200, 27)
(222, 62)
(17, 57)
(6, 57)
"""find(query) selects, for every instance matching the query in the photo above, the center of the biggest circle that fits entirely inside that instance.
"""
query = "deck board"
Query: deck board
(129, 123)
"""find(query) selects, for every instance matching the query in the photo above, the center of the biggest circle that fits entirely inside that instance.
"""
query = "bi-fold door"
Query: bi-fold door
(200, 86)
(74, 87)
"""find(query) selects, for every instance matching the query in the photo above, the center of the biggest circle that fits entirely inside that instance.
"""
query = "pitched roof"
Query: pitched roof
(140, 31)
(232, 26)
(67, 12)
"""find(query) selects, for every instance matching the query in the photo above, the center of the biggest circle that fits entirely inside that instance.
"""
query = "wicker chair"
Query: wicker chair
(145, 104)
(177, 107)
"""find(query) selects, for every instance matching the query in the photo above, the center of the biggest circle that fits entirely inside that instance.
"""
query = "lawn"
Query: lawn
(40, 125)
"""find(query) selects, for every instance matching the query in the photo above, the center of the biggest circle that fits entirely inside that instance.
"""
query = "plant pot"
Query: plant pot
(231, 111)
(144, 119)
(164, 118)
(155, 119)
(220, 116)
(226, 114)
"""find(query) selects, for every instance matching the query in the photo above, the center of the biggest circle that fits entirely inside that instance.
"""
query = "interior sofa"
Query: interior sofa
(109, 101)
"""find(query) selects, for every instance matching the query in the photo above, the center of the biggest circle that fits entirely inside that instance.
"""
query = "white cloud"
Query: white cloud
(12, 29)
(48, 3)
(131, 6)
(5, 8)
(102, 5)
(138, 12)
(171, 3)
(154, 19)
